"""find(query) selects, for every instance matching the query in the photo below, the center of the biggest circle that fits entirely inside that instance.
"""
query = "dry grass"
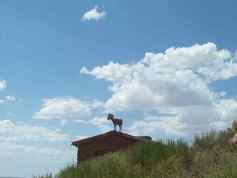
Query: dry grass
(209, 157)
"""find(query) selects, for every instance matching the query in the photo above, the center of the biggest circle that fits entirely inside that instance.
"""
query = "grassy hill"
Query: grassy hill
(210, 156)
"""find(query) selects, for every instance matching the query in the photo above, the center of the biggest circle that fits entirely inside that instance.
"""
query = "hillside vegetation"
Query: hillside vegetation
(210, 156)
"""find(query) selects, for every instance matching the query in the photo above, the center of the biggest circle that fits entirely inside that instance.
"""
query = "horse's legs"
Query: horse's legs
(115, 128)
(120, 128)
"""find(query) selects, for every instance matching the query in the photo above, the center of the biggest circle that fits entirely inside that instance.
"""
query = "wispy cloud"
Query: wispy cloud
(94, 14)
(21, 141)
(8, 99)
(3, 84)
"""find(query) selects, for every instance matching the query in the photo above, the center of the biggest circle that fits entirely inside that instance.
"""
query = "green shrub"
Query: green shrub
(210, 156)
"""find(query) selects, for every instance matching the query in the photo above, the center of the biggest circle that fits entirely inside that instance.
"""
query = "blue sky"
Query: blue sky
(168, 68)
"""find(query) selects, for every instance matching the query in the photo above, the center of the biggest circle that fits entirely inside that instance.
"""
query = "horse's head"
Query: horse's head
(110, 116)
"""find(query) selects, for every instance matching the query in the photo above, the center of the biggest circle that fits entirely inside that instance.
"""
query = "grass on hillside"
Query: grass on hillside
(210, 156)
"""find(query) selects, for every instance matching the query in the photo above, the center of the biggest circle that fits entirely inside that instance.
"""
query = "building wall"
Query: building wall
(103, 145)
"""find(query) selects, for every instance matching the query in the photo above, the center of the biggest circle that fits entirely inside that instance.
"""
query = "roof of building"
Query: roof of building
(107, 134)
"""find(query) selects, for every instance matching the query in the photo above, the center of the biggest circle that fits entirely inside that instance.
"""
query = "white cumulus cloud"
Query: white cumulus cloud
(94, 14)
(174, 82)
(66, 108)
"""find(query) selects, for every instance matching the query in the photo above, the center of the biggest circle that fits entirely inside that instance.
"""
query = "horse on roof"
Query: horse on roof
(116, 122)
